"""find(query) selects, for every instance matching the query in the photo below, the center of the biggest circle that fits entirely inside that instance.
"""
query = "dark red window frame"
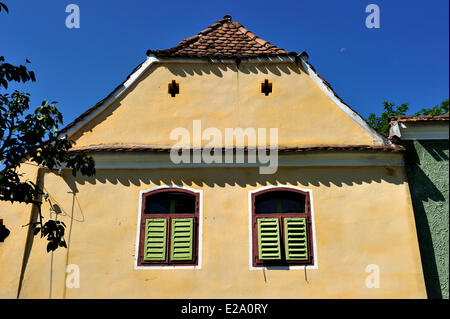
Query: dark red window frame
(169, 218)
(307, 214)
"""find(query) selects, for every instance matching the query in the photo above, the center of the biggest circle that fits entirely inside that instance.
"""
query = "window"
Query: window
(281, 228)
(169, 228)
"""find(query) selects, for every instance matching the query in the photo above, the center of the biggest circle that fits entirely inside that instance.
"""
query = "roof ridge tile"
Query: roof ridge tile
(226, 38)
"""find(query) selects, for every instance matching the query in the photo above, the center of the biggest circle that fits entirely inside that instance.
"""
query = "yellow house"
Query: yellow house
(226, 168)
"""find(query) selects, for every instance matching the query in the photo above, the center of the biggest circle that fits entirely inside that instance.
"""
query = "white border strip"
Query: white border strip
(437, 130)
(250, 229)
(425, 135)
(147, 161)
(200, 228)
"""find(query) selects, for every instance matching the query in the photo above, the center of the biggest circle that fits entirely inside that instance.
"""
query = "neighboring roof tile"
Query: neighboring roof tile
(295, 149)
(223, 39)
(427, 118)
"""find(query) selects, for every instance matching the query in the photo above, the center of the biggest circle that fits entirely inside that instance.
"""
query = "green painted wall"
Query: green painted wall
(428, 173)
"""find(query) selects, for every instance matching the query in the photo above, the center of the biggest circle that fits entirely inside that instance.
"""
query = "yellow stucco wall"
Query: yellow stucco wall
(15, 217)
(222, 96)
(363, 216)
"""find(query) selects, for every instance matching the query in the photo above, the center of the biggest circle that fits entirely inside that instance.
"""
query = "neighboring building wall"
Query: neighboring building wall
(363, 216)
(428, 175)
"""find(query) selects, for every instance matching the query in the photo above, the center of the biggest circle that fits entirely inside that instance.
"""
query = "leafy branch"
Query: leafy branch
(380, 122)
(32, 137)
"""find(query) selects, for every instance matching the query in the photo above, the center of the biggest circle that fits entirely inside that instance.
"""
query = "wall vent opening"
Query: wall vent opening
(266, 87)
(174, 88)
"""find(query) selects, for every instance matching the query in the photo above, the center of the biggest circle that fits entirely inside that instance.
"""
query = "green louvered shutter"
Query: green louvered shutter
(155, 239)
(182, 239)
(269, 246)
(296, 240)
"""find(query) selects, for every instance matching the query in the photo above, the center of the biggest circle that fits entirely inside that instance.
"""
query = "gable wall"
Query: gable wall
(222, 96)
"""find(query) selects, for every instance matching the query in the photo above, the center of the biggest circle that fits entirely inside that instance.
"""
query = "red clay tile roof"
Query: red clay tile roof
(295, 149)
(408, 118)
(223, 39)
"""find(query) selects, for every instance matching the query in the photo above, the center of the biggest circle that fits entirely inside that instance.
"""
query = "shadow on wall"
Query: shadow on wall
(4, 232)
(184, 70)
(436, 151)
(424, 192)
(242, 177)
(55, 212)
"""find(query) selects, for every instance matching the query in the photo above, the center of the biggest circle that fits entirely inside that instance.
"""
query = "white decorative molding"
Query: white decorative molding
(115, 160)
(427, 130)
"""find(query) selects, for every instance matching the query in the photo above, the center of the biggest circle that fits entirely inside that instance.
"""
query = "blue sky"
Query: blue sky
(405, 60)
